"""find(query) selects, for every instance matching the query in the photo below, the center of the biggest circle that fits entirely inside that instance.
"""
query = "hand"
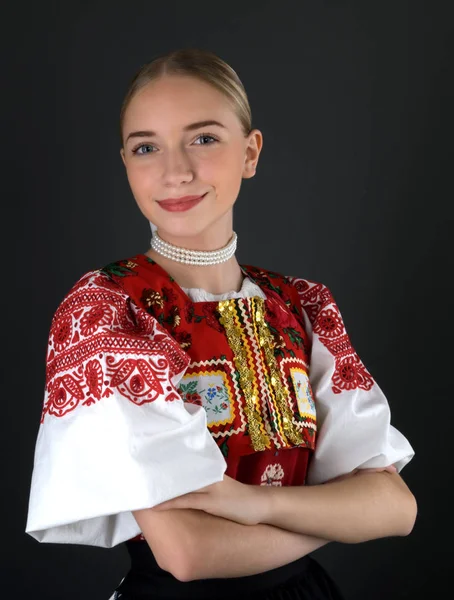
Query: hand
(229, 499)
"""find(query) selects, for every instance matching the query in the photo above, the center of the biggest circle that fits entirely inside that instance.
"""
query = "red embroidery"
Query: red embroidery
(101, 342)
(94, 318)
(325, 317)
(209, 310)
(273, 475)
(277, 316)
(329, 324)
(169, 295)
(62, 334)
(184, 339)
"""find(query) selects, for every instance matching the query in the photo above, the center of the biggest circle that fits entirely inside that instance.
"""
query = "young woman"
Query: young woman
(212, 416)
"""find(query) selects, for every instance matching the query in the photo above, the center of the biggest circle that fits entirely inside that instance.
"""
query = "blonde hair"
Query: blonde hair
(203, 65)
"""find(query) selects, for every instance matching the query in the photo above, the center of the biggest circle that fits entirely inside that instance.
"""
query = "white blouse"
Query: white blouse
(98, 458)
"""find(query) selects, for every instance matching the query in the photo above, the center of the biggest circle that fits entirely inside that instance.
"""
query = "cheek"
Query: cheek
(142, 179)
(223, 170)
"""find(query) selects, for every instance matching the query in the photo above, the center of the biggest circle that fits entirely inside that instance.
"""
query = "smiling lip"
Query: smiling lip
(180, 204)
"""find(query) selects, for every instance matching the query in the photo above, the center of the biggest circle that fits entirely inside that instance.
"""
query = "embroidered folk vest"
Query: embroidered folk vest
(249, 367)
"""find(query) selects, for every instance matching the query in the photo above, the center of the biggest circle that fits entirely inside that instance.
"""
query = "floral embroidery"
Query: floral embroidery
(152, 298)
(301, 285)
(328, 324)
(189, 393)
(189, 312)
(184, 339)
(101, 343)
(120, 268)
(218, 393)
(273, 475)
(169, 295)
(286, 339)
(278, 317)
(211, 392)
(94, 318)
(303, 390)
(316, 299)
(62, 334)
(174, 319)
(265, 279)
(210, 313)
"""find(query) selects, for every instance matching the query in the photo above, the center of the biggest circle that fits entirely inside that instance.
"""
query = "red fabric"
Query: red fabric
(198, 331)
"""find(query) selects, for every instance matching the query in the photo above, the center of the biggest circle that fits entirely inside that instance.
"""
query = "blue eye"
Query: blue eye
(206, 135)
(201, 136)
(136, 150)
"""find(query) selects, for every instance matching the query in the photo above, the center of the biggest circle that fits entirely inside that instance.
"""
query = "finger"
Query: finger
(391, 468)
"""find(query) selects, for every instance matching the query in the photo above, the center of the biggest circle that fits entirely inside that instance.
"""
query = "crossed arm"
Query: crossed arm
(192, 544)
(231, 529)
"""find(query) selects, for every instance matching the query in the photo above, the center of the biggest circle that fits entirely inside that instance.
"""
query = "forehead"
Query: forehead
(177, 101)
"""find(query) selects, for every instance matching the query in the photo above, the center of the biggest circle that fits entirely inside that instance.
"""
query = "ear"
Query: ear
(254, 144)
(248, 171)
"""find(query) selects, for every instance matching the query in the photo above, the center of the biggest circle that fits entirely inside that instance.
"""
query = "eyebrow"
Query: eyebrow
(191, 127)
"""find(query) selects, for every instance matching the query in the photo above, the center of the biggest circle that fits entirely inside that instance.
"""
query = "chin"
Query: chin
(188, 227)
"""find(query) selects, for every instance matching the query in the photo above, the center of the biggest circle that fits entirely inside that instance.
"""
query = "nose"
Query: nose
(177, 168)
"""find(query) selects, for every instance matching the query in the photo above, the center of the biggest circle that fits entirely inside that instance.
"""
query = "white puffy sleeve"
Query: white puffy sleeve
(114, 435)
(353, 414)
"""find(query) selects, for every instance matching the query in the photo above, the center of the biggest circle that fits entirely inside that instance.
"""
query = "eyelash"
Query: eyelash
(208, 135)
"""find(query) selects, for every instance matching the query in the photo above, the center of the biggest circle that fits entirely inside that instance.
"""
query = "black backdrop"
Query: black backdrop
(353, 189)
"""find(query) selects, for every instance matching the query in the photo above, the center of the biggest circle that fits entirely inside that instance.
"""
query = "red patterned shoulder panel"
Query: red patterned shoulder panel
(101, 343)
(326, 319)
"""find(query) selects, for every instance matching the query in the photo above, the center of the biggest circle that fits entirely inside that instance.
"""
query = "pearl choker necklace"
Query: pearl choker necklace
(202, 258)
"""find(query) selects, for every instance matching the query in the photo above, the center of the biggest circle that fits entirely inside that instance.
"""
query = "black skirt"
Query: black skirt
(303, 579)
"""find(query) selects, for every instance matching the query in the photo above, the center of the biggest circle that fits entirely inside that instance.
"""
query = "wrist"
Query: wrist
(265, 502)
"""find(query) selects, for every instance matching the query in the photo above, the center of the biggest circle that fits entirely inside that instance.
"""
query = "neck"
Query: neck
(215, 279)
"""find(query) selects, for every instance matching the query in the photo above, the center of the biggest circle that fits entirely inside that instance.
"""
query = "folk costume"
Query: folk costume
(153, 391)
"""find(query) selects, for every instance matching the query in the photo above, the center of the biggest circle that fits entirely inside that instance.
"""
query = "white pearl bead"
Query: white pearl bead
(194, 257)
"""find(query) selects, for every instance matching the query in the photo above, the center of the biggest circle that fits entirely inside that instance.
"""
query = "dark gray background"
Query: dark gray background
(353, 189)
